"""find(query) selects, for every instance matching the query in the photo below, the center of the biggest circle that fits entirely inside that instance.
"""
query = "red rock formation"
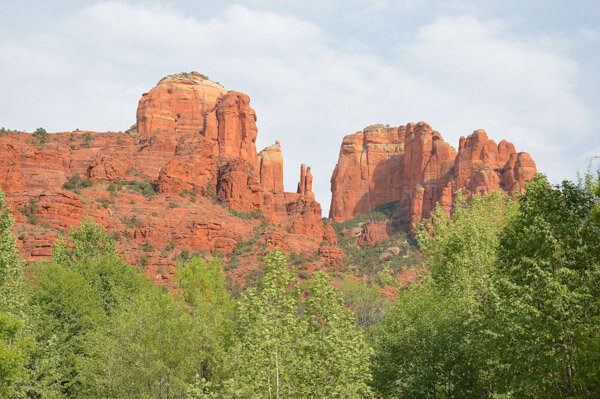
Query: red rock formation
(191, 136)
(305, 184)
(374, 232)
(414, 166)
(271, 167)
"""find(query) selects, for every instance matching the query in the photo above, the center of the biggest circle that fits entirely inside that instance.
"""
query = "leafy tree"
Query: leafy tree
(288, 345)
(335, 354)
(151, 348)
(365, 301)
(14, 339)
(544, 312)
(424, 347)
(71, 297)
(203, 289)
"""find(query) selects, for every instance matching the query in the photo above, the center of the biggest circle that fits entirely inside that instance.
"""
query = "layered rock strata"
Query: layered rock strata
(414, 166)
(194, 144)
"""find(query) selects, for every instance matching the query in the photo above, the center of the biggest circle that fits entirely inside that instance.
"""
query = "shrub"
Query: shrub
(131, 222)
(30, 210)
(41, 134)
(184, 255)
(75, 183)
(255, 214)
(104, 201)
(147, 247)
(87, 139)
(115, 236)
(143, 260)
(170, 246)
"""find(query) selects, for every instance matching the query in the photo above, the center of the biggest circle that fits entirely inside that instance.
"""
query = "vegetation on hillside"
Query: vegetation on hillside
(507, 306)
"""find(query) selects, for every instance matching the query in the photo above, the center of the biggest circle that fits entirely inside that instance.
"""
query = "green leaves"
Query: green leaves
(292, 342)
(544, 312)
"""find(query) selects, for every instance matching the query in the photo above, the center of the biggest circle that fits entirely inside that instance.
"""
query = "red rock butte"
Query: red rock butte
(413, 165)
(192, 139)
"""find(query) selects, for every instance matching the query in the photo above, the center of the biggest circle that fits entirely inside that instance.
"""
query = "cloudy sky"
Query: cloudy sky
(524, 70)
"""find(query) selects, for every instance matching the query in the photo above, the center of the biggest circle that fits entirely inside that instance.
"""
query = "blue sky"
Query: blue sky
(527, 71)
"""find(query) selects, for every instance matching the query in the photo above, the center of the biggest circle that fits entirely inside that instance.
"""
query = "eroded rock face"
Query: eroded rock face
(413, 165)
(271, 167)
(178, 105)
(194, 143)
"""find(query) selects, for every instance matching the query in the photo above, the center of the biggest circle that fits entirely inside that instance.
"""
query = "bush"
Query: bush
(29, 211)
(131, 222)
(87, 139)
(143, 187)
(184, 255)
(104, 201)
(147, 247)
(75, 183)
(255, 214)
(41, 134)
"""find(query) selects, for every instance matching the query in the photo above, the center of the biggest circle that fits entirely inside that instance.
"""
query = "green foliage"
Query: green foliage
(41, 135)
(293, 346)
(424, 347)
(131, 222)
(88, 241)
(544, 315)
(150, 349)
(29, 211)
(184, 255)
(365, 300)
(211, 191)
(143, 187)
(460, 251)
(381, 213)
(255, 214)
(370, 260)
(204, 291)
(104, 201)
(14, 339)
(143, 261)
(87, 139)
(76, 183)
(147, 247)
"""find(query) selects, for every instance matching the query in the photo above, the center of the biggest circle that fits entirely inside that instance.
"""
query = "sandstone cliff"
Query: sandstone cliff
(413, 165)
(165, 185)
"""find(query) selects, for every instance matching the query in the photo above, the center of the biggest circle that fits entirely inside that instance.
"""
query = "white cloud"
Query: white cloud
(459, 74)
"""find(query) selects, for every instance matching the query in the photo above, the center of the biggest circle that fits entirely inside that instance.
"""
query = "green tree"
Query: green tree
(335, 356)
(543, 314)
(14, 339)
(71, 297)
(292, 345)
(203, 288)
(152, 348)
(425, 345)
